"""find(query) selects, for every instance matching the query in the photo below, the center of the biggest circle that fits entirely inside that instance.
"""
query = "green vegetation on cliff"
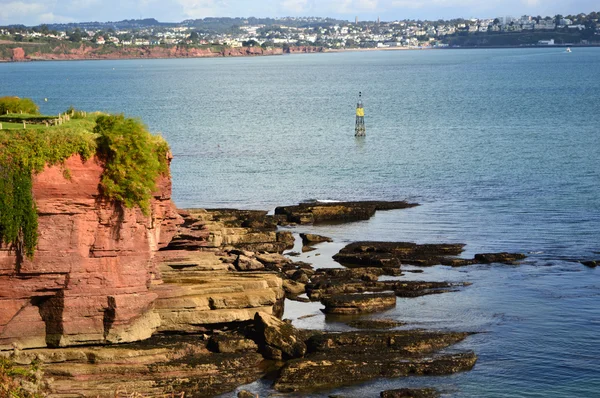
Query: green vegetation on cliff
(132, 159)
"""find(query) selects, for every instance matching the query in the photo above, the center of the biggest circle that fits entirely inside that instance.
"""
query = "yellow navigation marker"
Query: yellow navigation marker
(360, 130)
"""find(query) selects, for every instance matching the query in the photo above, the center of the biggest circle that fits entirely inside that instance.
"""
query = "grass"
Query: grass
(26, 117)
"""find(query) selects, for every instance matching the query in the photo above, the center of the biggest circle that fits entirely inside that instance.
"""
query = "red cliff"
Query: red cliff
(134, 52)
(89, 280)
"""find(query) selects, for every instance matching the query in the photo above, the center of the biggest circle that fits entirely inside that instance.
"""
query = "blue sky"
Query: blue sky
(34, 12)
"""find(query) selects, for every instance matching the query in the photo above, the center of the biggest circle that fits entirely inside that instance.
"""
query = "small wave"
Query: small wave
(320, 201)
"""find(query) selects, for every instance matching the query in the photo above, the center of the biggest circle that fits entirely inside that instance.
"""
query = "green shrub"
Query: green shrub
(74, 113)
(133, 159)
(18, 105)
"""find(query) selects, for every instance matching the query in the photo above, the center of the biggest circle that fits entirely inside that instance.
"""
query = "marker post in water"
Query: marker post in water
(359, 130)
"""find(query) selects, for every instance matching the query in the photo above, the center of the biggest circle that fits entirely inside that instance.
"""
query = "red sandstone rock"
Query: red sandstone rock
(89, 280)
(89, 52)
(18, 54)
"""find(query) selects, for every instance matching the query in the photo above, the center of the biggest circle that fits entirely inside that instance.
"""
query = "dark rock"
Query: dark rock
(300, 276)
(337, 359)
(321, 287)
(384, 254)
(392, 254)
(230, 343)
(310, 239)
(411, 393)
(306, 249)
(457, 262)
(591, 264)
(313, 213)
(233, 218)
(358, 303)
(274, 334)
(418, 288)
(286, 238)
(506, 258)
(365, 274)
(375, 324)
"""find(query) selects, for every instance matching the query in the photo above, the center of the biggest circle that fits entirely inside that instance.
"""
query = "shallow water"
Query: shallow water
(501, 148)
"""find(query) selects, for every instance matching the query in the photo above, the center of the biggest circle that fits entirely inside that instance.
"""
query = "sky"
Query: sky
(35, 12)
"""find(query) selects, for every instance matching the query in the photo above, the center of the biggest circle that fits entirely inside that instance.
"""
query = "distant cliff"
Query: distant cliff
(14, 52)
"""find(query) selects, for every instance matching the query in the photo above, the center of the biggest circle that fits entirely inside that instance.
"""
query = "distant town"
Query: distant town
(326, 33)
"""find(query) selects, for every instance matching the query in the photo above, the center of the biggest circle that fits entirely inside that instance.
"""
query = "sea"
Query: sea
(501, 147)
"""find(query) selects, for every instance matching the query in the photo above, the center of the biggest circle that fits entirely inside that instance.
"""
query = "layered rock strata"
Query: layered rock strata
(89, 281)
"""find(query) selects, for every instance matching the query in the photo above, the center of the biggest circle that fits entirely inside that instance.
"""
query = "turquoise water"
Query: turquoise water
(501, 147)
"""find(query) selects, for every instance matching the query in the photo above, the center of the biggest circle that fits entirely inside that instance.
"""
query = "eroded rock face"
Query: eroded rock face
(89, 280)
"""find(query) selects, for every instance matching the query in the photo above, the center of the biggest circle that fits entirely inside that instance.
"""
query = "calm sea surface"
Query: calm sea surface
(501, 147)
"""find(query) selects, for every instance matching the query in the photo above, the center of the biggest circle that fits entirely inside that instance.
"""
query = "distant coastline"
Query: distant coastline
(19, 54)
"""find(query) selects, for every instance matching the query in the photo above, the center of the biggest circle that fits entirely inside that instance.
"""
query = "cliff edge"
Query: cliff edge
(89, 280)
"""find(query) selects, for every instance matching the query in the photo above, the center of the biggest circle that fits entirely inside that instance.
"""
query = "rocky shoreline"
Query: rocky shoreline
(215, 294)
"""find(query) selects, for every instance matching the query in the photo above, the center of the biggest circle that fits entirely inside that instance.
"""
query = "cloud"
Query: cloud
(20, 10)
(204, 8)
(50, 17)
(296, 6)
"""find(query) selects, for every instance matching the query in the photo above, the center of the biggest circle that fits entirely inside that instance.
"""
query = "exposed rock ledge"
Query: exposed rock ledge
(98, 276)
